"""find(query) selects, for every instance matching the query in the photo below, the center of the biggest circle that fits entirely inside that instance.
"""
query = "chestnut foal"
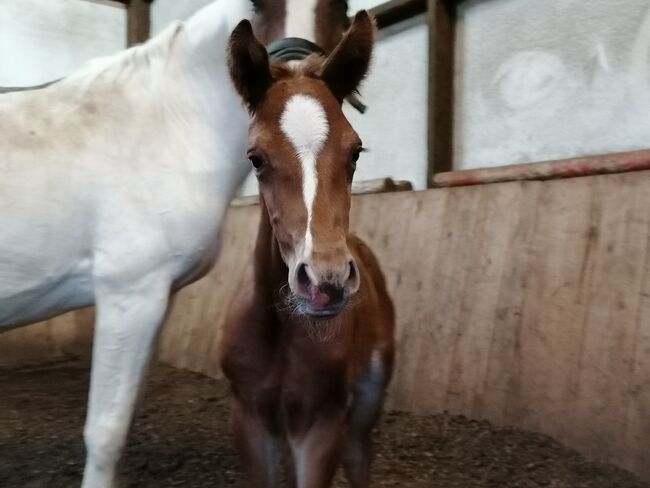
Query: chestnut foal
(304, 366)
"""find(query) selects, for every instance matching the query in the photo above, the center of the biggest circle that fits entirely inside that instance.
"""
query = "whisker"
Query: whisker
(321, 331)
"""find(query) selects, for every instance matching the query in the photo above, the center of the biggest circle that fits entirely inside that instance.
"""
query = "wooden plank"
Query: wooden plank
(435, 320)
(548, 170)
(637, 428)
(610, 331)
(65, 336)
(442, 20)
(556, 264)
(488, 258)
(138, 21)
(502, 377)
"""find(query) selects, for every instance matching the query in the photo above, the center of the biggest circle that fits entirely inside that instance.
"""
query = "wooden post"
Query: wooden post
(442, 19)
(138, 21)
(394, 11)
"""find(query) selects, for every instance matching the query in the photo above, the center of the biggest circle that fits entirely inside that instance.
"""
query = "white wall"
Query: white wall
(41, 40)
(394, 127)
(355, 5)
(551, 79)
(164, 11)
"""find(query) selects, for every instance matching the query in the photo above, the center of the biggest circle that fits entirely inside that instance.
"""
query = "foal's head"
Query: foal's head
(304, 153)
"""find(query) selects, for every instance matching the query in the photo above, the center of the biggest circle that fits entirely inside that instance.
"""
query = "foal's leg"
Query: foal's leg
(367, 402)
(317, 451)
(259, 449)
(125, 330)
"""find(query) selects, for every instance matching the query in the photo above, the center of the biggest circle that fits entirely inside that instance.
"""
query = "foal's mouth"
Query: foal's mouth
(305, 307)
(322, 301)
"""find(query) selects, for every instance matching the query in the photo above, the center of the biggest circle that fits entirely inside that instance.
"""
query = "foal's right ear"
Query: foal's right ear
(248, 63)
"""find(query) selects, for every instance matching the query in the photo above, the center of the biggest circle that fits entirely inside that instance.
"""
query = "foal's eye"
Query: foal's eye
(257, 161)
(356, 152)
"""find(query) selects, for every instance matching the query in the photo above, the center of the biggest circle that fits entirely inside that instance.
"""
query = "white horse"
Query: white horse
(113, 185)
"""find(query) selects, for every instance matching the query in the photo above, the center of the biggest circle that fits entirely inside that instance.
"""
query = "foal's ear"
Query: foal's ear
(348, 64)
(248, 63)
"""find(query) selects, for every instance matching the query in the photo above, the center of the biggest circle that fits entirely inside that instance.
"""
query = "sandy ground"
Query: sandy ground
(181, 439)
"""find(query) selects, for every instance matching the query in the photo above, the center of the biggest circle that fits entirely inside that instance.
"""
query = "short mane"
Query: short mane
(310, 67)
(125, 64)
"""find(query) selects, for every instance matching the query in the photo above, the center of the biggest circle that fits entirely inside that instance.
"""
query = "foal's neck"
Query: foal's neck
(270, 270)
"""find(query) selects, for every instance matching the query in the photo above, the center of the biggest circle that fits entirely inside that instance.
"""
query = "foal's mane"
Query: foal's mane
(310, 67)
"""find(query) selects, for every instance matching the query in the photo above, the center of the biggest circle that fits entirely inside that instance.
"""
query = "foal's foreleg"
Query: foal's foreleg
(367, 402)
(259, 449)
(357, 455)
(317, 451)
(125, 329)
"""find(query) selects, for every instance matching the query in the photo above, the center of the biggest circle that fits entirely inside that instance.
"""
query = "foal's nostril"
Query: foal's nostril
(303, 277)
(353, 271)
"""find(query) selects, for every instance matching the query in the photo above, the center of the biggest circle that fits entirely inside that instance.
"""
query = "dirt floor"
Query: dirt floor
(180, 439)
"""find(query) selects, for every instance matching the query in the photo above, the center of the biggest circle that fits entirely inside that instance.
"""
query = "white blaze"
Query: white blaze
(300, 20)
(305, 124)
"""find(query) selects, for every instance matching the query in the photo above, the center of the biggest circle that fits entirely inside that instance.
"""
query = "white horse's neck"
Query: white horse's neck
(300, 19)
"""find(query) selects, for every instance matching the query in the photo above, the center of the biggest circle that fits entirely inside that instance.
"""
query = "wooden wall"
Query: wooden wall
(54, 340)
(525, 303)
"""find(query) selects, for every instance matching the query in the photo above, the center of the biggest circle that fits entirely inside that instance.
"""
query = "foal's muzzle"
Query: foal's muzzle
(323, 291)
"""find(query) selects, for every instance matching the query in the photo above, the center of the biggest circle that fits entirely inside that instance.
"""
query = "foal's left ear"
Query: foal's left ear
(248, 63)
(348, 64)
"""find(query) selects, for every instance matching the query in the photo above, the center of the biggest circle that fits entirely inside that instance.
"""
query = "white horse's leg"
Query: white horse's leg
(125, 331)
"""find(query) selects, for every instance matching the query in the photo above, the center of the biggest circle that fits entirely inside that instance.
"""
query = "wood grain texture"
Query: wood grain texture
(526, 303)
(69, 335)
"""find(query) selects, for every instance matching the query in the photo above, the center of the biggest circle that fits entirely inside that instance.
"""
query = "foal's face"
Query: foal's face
(304, 153)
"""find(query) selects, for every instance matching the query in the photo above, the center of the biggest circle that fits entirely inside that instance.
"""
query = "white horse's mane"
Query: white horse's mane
(128, 63)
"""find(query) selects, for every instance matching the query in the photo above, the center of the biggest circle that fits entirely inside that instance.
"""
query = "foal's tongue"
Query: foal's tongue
(317, 297)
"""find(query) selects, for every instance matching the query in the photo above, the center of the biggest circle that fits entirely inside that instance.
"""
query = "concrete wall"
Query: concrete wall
(536, 80)
(549, 80)
(41, 40)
